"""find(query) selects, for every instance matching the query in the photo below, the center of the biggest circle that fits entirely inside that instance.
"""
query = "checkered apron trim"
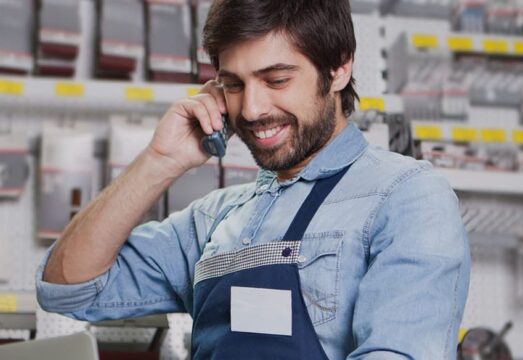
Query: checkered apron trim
(276, 252)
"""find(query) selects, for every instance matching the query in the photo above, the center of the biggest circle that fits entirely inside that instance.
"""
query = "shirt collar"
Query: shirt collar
(336, 155)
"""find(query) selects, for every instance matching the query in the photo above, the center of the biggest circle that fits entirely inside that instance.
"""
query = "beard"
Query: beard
(305, 138)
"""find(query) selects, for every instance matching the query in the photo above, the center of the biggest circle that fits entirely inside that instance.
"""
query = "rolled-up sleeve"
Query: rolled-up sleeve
(411, 300)
(152, 274)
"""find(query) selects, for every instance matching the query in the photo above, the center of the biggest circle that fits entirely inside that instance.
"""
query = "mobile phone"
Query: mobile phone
(216, 144)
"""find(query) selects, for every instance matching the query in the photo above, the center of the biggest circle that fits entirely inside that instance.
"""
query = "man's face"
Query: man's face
(274, 102)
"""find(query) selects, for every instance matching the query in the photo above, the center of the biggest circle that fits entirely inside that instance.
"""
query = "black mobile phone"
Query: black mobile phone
(216, 144)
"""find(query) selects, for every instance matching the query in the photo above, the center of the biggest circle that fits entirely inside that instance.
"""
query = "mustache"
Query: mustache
(263, 123)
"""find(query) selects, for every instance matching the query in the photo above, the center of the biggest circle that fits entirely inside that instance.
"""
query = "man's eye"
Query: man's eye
(277, 82)
(232, 86)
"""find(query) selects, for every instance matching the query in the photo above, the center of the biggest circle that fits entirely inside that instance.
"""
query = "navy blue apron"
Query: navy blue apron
(272, 266)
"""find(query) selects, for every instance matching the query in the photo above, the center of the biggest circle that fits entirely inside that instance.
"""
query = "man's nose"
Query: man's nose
(255, 103)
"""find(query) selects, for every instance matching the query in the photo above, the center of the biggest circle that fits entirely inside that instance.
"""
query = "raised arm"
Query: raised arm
(91, 242)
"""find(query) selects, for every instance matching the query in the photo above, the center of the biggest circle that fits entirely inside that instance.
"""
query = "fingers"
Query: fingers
(214, 88)
(194, 109)
(212, 107)
(207, 107)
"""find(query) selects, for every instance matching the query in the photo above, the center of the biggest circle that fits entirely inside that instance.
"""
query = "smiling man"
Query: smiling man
(339, 250)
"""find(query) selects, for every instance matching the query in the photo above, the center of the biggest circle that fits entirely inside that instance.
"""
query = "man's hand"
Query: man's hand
(179, 133)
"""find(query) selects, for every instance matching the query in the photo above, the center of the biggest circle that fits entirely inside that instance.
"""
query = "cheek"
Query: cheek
(233, 104)
(301, 102)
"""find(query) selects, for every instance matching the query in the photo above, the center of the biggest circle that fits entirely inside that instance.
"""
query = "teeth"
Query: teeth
(267, 133)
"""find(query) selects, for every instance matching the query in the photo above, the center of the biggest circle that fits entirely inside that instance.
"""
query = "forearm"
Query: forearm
(90, 243)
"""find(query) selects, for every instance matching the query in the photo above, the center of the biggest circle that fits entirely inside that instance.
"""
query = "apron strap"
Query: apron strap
(312, 203)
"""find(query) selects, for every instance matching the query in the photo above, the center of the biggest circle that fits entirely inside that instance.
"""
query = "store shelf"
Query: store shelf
(392, 104)
(463, 132)
(457, 42)
(17, 302)
(484, 181)
(93, 91)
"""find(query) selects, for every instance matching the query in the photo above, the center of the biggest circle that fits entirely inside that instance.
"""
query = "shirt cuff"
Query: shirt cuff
(66, 298)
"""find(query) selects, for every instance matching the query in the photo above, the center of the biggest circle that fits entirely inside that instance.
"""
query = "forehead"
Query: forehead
(243, 58)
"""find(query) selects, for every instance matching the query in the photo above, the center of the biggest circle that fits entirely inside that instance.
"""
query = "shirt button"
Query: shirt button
(246, 241)
(286, 252)
(302, 259)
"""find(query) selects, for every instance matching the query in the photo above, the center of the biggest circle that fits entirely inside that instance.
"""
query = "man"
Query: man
(338, 251)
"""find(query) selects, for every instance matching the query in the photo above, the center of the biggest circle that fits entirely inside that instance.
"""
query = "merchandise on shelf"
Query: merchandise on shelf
(121, 36)
(16, 40)
(441, 9)
(59, 38)
(67, 175)
(492, 16)
(14, 169)
(205, 69)
(169, 35)
(127, 140)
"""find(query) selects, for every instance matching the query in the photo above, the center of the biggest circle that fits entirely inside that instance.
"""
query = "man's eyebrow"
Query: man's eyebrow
(276, 67)
(224, 73)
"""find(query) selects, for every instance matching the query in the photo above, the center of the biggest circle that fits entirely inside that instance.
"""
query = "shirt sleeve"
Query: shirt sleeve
(152, 274)
(411, 300)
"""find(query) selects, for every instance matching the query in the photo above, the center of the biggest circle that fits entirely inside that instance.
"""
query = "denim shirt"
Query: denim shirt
(384, 263)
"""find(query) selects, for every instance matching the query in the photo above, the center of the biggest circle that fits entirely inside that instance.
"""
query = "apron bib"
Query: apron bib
(248, 304)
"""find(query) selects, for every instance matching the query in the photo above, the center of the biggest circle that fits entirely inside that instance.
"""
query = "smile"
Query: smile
(265, 134)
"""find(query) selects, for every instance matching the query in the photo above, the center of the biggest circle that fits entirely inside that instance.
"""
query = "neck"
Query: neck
(341, 123)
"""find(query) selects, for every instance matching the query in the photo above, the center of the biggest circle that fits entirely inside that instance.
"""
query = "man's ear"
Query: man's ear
(341, 76)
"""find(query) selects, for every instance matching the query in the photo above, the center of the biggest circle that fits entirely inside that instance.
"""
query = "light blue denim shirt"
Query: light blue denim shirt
(384, 267)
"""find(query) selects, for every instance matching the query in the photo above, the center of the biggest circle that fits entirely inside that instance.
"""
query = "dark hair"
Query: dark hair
(321, 30)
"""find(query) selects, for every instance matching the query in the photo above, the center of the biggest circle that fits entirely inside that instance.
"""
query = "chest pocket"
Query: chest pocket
(319, 268)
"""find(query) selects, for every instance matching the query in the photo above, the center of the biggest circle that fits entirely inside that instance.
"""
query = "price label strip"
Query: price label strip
(8, 87)
(493, 135)
(67, 89)
(368, 103)
(193, 91)
(460, 43)
(135, 93)
(428, 132)
(495, 46)
(424, 41)
(462, 134)
(8, 303)
(517, 136)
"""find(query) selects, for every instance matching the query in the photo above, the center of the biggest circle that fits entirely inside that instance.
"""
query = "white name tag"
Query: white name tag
(261, 311)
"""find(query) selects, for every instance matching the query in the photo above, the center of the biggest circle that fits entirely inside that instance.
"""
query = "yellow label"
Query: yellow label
(423, 41)
(193, 91)
(67, 89)
(461, 334)
(518, 47)
(460, 43)
(426, 132)
(493, 135)
(135, 93)
(368, 103)
(517, 136)
(464, 134)
(11, 87)
(7, 303)
(495, 46)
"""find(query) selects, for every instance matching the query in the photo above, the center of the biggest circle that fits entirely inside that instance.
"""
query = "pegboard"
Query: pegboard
(492, 295)
(17, 222)
(368, 62)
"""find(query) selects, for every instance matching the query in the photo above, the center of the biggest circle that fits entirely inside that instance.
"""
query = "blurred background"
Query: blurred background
(84, 82)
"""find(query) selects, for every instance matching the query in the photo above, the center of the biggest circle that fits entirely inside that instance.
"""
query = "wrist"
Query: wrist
(161, 167)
